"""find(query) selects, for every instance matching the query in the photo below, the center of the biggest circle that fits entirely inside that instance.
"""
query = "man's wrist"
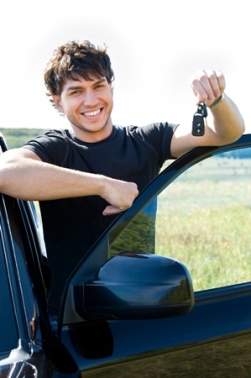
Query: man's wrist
(216, 103)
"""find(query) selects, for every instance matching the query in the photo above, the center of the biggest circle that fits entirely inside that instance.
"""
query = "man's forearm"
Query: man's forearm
(34, 180)
(30, 179)
(226, 121)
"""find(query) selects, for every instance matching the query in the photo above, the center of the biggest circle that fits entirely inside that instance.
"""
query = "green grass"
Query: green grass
(16, 137)
(204, 220)
(214, 243)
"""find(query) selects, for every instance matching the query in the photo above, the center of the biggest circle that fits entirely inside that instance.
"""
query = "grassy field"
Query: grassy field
(16, 137)
(204, 220)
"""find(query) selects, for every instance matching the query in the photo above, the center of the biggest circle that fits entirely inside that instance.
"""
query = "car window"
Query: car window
(202, 219)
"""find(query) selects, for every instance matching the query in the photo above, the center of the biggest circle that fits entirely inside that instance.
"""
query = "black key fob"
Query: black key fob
(198, 126)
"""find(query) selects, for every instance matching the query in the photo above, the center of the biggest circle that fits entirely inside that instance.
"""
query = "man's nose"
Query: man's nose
(90, 98)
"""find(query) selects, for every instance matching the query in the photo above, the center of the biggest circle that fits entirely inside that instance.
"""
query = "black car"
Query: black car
(165, 292)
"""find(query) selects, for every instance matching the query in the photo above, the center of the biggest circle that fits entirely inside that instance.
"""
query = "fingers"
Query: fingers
(119, 194)
(112, 210)
(208, 86)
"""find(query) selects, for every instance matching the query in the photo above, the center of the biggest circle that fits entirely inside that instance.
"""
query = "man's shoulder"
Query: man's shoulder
(51, 147)
(51, 139)
(60, 133)
(59, 136)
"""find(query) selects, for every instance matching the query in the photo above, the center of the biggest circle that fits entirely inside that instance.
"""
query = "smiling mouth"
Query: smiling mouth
(93, 113)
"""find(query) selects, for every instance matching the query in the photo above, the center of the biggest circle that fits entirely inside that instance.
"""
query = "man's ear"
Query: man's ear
(57, 102)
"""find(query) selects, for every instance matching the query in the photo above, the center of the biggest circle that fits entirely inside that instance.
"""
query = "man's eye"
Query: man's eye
(99, 86)
(74, 92)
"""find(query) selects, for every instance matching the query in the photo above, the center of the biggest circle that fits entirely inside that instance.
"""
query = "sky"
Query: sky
(155, 46)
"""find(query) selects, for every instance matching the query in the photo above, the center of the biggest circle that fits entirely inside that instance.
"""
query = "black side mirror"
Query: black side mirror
(136, 286)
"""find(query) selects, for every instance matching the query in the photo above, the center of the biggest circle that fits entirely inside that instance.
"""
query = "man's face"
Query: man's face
(87, 104)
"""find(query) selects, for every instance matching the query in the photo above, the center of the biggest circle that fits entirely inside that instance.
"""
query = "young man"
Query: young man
(67, 171)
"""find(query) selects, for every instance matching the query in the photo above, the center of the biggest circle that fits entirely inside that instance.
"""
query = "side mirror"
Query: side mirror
(136, 286)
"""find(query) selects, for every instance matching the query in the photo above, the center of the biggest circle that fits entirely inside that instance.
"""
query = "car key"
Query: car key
(198, 126)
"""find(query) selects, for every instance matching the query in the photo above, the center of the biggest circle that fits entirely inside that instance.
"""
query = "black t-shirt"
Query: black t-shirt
(72, 225)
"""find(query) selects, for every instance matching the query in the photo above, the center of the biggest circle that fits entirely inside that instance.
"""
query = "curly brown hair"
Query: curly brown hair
(73, 60)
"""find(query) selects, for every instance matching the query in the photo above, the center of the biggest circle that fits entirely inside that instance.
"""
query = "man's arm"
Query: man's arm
(224, 123)
(23, 175)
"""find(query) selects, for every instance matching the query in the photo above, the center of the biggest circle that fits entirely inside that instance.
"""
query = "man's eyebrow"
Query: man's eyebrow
(101, 80)
(73, 87)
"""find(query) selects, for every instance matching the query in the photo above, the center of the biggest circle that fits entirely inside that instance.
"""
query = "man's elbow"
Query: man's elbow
(4, 180)
(7, 174)
(239, 131)
(236, 132)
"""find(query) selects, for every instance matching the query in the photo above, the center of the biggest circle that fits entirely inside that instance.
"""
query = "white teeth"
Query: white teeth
(91, 114)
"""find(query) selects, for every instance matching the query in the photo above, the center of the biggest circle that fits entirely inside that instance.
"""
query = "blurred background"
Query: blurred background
(155, 46)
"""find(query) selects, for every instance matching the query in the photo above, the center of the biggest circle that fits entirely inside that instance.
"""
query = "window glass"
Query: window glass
(139, 234)
(203, 219)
